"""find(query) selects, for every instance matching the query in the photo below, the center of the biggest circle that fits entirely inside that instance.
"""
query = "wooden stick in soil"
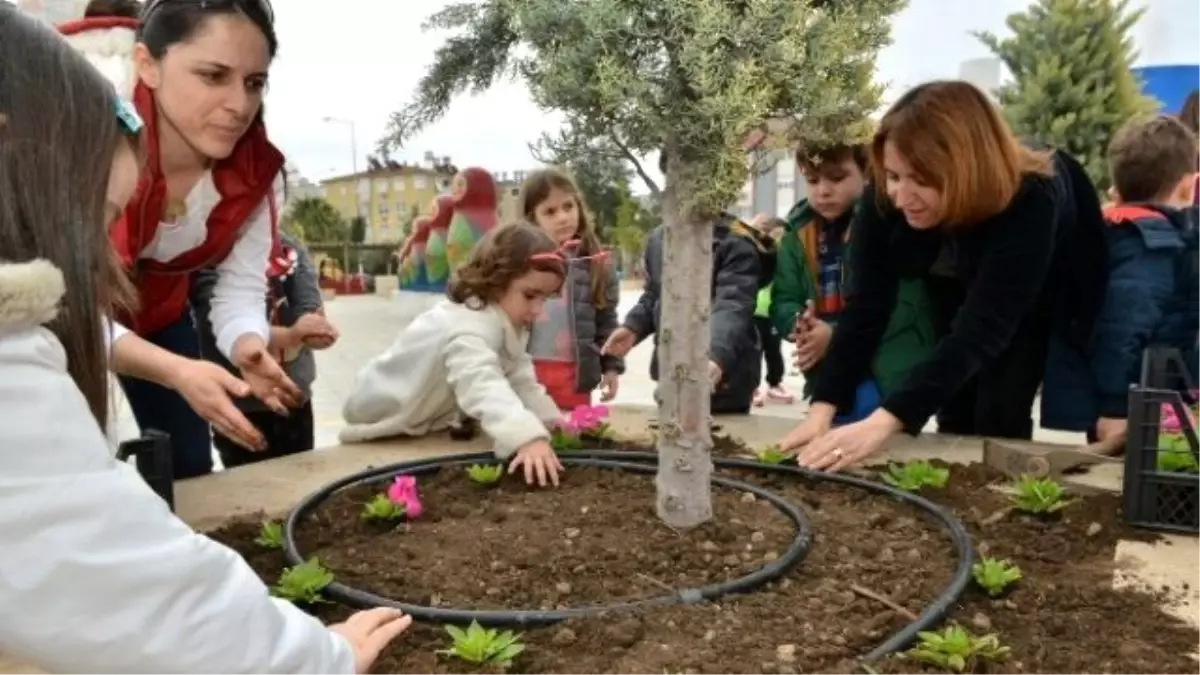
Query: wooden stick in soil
(651, 580)
(884, 600)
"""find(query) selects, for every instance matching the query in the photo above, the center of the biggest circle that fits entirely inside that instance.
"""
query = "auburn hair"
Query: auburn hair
(956, 141)
(535, 190)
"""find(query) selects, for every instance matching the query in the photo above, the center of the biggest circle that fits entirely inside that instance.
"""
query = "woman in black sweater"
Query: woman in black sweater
(988, 223)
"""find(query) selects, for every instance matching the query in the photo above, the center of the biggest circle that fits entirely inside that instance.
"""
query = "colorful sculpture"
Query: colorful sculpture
(437, 268)
(412, 257)
(423, 265)
(475, 212)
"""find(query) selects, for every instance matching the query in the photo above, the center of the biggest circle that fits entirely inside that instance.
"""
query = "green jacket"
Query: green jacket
(909, 338)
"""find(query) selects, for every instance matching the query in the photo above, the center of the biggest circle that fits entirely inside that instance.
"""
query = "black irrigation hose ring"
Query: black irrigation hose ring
(354, 597)
(928, 618)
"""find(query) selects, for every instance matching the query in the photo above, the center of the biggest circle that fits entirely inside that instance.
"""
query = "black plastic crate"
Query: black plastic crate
(1162, 488)
(152, 457)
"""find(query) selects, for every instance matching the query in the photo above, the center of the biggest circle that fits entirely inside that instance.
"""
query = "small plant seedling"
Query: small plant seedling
(771, 455)
(482, 645)
(955, 649)
(564, 441)
(270, 535)
(914, 475)
(602, 431)
(303, 583)
(382, 509)
(485, 474)
(1039, 496)
(995, 575)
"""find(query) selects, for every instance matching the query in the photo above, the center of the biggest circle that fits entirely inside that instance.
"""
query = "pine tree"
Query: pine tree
(689, 78)
(1073, 87)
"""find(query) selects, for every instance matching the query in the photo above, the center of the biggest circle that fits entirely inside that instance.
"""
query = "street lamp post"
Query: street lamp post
(358, 197)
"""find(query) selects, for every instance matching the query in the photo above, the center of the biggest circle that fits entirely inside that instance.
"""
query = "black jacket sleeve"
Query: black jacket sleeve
(1018, 247)
(870, 300)
(642, 319)
(735, 291)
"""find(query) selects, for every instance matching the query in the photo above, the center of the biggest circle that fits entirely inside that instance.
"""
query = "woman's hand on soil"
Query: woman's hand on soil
(820, 418)
(370, 631)
(210, 389)
(813, 344)
(610, 383)
(842, 447)
(539, 460)
(266, 378)
(619, 342)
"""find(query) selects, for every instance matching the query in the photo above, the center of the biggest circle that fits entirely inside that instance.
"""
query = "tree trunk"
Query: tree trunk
(684, 438)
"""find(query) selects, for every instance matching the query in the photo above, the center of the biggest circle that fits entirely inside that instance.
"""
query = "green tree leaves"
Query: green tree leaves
(1070, 61)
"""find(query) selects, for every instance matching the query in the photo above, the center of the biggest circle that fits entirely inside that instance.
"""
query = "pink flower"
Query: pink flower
(588, 417)
(404, 491)
(1170, 422)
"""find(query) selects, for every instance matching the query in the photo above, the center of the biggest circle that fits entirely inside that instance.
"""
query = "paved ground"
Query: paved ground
(370, 323)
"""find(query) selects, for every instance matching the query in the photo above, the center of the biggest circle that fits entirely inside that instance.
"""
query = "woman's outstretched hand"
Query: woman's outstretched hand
(268, 382)
(210, 389)
(848, 445)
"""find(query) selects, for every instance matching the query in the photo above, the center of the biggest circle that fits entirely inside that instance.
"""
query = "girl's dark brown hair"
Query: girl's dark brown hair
(503, 255)
(955, 139)
(535, 190)
(54, 171)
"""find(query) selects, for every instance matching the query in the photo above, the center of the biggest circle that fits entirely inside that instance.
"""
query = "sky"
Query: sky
(365, 73)
(362, 63)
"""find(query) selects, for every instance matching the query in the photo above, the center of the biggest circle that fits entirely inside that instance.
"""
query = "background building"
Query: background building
(508, 193)
(298, 187)
(389, 195)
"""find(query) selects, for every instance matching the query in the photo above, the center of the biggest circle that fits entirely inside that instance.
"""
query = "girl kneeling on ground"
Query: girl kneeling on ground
(467, 357)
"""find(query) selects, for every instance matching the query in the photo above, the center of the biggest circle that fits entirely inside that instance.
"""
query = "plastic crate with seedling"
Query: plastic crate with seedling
(1175, 453)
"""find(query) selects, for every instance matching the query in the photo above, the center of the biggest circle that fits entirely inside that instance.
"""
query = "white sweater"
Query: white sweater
(449, 359)
(96, 574)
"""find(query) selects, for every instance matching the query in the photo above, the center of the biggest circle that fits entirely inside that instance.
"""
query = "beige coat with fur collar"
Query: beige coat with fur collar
(98, 575)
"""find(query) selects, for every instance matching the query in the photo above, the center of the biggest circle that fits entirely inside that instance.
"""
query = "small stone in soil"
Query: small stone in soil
(887, 555)
(913, 555)
(981, 621)
(757, 537)
(1094, 529)
(772, 556)
(710, 635)
(843, 552)
(563, 587)
(708, 546)
(785, 653)
(572, 532)
(564, 637)
(493, 591)
(731, 560)
(748, 497)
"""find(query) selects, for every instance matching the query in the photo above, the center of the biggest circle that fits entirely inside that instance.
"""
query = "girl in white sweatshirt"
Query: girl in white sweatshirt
(96, 574)
(467, 356)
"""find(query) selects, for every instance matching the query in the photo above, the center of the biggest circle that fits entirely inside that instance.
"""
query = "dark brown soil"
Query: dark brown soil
(596, 539)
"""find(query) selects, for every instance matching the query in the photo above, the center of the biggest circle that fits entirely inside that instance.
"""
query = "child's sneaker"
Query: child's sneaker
(760, 398)
(780, 395)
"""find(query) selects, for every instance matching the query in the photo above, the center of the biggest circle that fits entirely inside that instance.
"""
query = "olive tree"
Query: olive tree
(690, 79)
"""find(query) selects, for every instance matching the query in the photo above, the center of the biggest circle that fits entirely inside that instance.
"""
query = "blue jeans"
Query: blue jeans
(866, 400)
(156, 407)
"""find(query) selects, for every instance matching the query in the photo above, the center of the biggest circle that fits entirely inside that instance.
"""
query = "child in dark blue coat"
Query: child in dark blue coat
(1153, 297)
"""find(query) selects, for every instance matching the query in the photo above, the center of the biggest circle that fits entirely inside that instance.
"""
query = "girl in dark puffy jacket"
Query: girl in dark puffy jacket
(565, 343)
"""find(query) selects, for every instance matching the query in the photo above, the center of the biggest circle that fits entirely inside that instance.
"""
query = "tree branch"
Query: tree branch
(655, 191)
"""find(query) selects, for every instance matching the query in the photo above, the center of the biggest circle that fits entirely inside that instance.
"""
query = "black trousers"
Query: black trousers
(998, 400)
(285, 436)
(772, 347)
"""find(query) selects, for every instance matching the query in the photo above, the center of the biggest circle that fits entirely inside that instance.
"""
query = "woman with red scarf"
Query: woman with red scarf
(207, 198)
